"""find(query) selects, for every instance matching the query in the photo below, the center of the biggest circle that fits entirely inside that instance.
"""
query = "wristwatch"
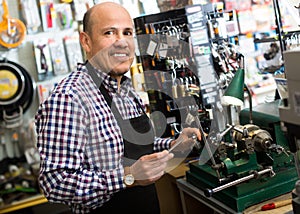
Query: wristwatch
(128, 179)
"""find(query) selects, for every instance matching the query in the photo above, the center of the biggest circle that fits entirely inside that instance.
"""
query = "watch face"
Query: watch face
(129, 179)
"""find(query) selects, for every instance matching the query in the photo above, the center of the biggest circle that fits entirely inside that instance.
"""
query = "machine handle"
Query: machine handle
(210, 192)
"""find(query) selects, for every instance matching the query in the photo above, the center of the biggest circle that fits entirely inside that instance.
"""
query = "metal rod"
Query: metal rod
(209, 192)
(221, 135)
(250, 103)
(279, 25)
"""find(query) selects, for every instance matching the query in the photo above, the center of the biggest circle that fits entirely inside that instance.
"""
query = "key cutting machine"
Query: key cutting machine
(251, 163)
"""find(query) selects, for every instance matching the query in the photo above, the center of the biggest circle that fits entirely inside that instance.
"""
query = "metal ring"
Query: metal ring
(22, 83)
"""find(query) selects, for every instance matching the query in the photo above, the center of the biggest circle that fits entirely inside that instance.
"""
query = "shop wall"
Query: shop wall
(52, 26)
(28, 55)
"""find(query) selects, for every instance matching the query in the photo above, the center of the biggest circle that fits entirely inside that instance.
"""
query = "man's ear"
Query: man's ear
(85, 42)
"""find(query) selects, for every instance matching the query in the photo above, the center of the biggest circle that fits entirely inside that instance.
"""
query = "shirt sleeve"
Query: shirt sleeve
(162, 143)
(61, 138)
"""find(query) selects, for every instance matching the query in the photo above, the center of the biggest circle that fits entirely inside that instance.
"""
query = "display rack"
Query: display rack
(175, 52)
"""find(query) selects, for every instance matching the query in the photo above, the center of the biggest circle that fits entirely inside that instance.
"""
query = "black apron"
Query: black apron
(138, 138)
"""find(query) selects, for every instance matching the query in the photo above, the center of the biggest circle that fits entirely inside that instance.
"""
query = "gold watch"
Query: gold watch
(128, 179)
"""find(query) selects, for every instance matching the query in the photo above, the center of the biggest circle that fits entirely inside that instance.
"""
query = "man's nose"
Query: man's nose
(120, 35)
(121, 40)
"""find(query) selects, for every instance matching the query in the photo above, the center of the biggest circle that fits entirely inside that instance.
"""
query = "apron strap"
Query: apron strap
(98, 81)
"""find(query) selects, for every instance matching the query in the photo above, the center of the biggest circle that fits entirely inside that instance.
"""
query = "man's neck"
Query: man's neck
(118, 78)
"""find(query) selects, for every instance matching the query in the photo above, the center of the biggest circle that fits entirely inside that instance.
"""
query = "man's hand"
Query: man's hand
(186, 139)
(149, 168)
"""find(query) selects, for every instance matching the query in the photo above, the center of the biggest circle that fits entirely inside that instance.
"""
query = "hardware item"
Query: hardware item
(16, 93)
(12, 30)
(73, 50)
(277, 204)
(43, 59)
(3, 152)
(48, 15)
(58, 56)
(64, 14)
(15, 141)
(30, 14)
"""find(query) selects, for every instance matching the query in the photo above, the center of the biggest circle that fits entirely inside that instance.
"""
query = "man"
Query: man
(97, 147)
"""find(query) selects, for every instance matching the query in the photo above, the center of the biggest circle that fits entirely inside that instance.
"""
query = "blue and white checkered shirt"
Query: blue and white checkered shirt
(80, 142)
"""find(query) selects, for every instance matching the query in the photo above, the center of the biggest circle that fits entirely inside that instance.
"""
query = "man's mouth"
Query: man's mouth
(120, 55)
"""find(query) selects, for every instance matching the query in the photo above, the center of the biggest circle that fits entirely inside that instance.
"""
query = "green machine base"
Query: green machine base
(240, 162)
(246, 194)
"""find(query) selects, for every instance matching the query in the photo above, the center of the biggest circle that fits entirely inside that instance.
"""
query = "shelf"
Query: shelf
(276, 38)
(29, 202)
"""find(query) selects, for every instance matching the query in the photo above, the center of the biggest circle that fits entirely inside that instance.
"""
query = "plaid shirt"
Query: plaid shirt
(80, 142)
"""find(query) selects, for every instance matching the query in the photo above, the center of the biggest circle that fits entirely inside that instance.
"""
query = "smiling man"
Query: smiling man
(97, 146)
(113, 35)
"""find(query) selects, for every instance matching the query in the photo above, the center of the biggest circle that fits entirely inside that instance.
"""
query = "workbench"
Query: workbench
(188, 190)
(34, 205)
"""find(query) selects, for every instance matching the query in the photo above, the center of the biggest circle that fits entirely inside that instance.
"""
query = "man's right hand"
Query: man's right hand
(149, 168)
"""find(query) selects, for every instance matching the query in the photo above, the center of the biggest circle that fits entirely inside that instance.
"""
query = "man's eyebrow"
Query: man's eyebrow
(129, 28)
(116, 28)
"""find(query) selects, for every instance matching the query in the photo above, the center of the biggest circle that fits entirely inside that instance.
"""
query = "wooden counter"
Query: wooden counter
(29, 202)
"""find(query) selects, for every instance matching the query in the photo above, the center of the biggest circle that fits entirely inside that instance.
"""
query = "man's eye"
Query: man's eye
(128, 33)
(109, 33)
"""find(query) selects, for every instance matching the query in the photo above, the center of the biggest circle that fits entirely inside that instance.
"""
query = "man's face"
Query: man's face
(112, 44)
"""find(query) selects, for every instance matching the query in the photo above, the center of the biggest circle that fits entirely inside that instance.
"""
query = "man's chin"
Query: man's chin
(118, 72)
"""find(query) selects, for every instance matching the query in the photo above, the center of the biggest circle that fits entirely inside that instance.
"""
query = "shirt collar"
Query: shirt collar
(111, 83)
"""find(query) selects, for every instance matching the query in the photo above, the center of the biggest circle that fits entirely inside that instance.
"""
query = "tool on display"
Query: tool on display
(17, 88)
(30, 15)
(12, 30)
(276, 204)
